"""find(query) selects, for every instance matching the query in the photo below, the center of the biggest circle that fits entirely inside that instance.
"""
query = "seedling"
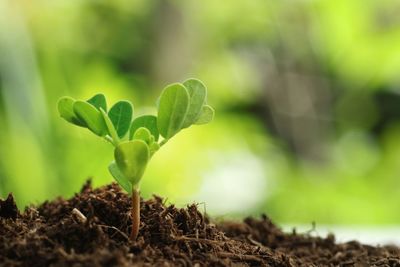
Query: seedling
(136, 140)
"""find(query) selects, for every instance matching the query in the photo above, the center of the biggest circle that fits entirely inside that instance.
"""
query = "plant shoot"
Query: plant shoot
(135, 140)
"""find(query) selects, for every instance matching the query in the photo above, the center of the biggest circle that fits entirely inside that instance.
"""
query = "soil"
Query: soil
(92, 229)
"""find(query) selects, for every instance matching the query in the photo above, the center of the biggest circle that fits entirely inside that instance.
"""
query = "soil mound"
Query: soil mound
(92, 229)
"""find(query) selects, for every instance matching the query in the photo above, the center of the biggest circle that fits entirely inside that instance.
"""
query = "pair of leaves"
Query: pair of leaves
(182, 105)
(131, 159)
(92, 115)
(83, 113)
(66, 110)
(120, 114)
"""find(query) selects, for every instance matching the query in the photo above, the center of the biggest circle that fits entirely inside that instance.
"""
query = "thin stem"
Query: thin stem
(135, 212)
(111, 140)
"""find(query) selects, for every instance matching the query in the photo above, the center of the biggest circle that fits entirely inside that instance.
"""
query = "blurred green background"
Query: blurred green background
(307, 95)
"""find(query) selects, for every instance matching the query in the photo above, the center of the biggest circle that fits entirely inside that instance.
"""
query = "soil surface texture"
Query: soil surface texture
(92, 229)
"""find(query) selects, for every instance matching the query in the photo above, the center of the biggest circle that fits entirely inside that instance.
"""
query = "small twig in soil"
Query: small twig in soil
(79, 216)
(251, 240)
(116, 229)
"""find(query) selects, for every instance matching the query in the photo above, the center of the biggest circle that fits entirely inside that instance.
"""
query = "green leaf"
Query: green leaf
(172, 110)
(206, 116)
(143, 134)
(98, 101)
(66, 110)
(147, 121)
(91, 116)
(121, 116)
(131, 158)
(119, 177)
(198, 95)
(110, 126)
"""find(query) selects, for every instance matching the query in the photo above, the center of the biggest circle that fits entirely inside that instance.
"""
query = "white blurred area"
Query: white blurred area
(238, 183)
(375, 236)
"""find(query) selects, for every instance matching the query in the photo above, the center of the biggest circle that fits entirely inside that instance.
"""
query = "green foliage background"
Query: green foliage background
(306, 95)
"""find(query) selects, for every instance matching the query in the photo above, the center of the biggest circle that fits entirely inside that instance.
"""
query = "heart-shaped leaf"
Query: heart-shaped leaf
(131, 158)
(119, 177)
(172, 109)
(66, 110)
(91, 116)
(147, 121)
(98, 101)
(198, 95)
(206, 116)
(110, 126)
(121, 116)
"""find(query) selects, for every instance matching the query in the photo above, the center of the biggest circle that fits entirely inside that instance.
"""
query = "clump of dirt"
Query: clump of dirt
(92, 229)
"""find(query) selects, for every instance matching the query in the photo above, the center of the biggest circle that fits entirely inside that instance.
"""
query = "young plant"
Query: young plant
(136, 140)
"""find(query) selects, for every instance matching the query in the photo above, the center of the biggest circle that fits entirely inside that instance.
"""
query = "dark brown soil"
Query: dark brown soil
(56, 234)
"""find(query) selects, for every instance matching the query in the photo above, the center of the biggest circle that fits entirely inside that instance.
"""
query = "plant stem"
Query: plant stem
(109, 139)
(135, 212)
